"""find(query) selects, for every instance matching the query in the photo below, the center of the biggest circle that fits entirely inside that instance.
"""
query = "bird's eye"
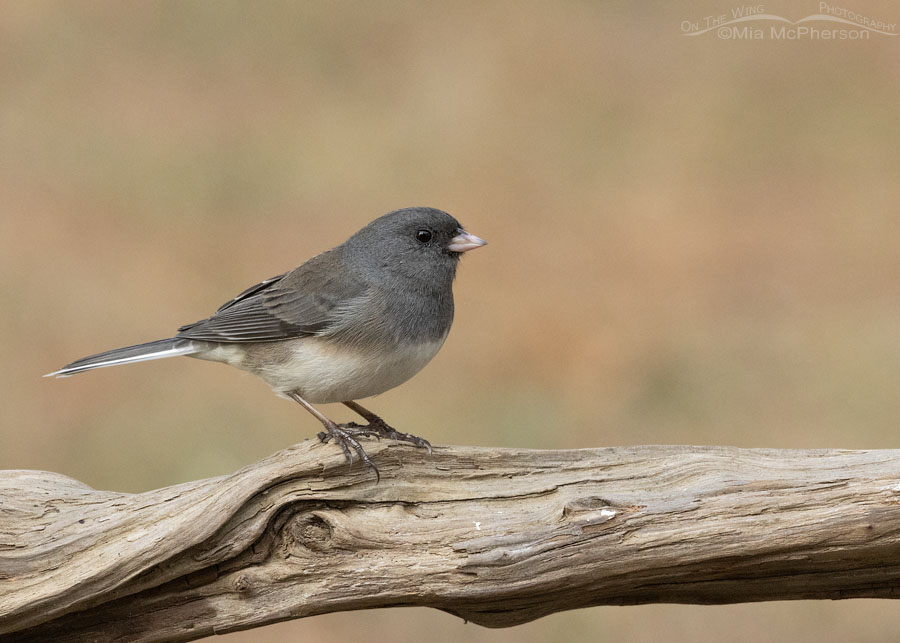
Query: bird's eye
(423, 236)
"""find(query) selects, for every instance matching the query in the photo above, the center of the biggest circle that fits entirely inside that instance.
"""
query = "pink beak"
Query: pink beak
(463, 242)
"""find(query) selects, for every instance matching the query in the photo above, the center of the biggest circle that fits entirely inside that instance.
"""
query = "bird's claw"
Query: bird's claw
(347, 441)
(381, 429)
(345, 436)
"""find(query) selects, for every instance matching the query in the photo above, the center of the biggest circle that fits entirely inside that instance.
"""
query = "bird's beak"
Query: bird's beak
(463, 242)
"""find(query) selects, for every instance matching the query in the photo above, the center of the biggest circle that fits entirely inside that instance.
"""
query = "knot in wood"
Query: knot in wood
(242, 583)
(309, 530)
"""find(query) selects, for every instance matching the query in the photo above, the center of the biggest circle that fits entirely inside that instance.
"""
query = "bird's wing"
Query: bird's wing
(252, 290)
(302, 302)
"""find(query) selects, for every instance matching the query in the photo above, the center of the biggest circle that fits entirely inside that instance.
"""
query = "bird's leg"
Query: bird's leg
(379, 428)
(341, 437)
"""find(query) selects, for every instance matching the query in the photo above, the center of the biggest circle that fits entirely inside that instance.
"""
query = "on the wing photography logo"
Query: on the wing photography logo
(752, 22)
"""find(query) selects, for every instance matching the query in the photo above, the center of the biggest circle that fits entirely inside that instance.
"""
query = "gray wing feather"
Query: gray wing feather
(252, 290)
(303, 302)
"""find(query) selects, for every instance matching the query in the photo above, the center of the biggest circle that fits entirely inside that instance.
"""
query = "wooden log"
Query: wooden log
(495, 536)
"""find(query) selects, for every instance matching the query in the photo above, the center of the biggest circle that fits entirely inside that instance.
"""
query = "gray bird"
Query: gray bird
(350, 323)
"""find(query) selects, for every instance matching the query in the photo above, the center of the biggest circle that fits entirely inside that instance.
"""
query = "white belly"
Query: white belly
(321, 373)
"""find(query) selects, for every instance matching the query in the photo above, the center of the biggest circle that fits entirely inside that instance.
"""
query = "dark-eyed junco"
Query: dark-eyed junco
(349, 323)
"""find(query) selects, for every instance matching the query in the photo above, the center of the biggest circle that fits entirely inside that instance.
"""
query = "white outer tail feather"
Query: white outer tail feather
(185, 348)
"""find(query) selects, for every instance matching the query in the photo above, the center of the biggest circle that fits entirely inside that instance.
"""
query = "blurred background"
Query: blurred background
(693, 240)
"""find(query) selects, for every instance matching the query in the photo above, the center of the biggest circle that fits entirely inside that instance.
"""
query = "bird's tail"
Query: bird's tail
(139, 353)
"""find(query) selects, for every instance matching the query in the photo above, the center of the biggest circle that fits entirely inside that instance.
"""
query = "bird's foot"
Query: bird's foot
(347, 441)
(378, 428)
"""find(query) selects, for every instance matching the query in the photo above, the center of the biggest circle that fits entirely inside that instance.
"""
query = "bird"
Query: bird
(349, 323)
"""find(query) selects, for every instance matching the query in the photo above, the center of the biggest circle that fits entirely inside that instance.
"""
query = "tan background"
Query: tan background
(692, 240)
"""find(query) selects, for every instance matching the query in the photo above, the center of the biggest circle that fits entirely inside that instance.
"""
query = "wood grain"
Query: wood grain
(495, 536)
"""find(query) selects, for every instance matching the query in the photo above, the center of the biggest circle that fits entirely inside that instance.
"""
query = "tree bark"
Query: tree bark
(495, 536)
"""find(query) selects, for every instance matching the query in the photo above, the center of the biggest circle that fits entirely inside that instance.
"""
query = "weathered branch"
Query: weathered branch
(496, 536)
